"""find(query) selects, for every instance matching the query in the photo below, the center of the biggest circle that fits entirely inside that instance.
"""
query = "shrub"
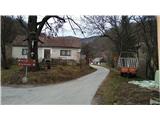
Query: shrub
(11, 61)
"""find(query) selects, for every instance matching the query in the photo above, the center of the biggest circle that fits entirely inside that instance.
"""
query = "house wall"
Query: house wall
(55, 53)
(17, 52)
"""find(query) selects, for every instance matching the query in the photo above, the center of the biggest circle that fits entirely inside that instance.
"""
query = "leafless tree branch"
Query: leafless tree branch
(71, 26)
(45, 19)
(76, 25)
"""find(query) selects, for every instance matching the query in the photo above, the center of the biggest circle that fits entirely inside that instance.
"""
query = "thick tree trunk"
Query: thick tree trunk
(150, 38)
(150, 66)
(33, 40)
(4, 59)
(3, 46)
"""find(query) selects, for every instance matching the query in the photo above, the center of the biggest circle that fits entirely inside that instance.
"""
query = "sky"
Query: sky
(66, 31)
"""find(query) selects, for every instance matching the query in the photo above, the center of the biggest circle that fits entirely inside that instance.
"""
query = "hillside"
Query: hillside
(100, 46)
(88, 40)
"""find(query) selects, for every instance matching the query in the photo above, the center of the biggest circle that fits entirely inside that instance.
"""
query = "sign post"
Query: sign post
(26, 63)
(24, 79)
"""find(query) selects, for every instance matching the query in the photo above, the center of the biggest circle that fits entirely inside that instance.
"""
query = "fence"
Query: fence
(128, 62)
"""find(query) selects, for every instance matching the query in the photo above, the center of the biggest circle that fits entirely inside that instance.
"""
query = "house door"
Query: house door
(47, 54)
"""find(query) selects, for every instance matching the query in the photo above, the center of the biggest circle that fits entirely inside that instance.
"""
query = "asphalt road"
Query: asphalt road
(76, 92)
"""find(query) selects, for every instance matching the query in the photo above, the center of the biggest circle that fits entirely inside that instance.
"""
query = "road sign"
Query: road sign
(26, 62)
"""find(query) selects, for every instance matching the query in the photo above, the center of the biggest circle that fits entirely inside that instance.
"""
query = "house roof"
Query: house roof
(66, 42)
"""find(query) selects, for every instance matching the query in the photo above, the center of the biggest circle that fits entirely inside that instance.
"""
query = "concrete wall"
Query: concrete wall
(55, 53)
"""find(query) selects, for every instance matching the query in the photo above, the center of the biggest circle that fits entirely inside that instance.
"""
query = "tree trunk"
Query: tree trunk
(33, 40)
(4, 59)
(87, 60)
(149, 67)
(3, 45)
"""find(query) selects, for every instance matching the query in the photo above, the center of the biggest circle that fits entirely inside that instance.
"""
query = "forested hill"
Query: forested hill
(89, 39)
(98, 45)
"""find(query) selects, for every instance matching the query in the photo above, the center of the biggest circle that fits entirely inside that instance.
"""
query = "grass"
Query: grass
(116, 90)
(54, 75)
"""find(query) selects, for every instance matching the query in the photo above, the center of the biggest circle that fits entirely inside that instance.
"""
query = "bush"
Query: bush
(11, 75)
(55, 62)
(11, 61)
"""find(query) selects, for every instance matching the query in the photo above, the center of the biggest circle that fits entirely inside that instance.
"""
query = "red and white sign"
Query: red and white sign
(26, 62)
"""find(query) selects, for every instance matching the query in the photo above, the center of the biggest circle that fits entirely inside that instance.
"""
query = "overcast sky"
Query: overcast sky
(66, 30)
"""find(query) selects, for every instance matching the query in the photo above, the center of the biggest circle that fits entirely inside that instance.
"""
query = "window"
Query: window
(65, 52)
(24, 51)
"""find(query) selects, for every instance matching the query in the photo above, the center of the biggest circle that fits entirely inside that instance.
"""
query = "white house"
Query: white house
(67, 48)
(97, 60)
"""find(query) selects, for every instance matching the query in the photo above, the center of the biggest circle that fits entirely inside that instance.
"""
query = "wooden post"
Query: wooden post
(158, 39)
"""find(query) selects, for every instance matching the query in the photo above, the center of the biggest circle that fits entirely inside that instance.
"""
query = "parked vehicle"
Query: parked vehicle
(128, 63)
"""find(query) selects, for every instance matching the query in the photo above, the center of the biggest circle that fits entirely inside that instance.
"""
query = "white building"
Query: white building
(67, 48)
(97, 60)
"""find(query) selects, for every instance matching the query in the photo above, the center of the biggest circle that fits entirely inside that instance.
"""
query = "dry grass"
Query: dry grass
(116, 90)
(54, 75)
(7, 74)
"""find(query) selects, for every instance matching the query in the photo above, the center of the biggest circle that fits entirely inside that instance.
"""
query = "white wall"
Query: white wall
(55, 53)
(17, 52)
(75, 53)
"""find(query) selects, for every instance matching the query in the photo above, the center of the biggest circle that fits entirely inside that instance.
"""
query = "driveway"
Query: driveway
(76, 92)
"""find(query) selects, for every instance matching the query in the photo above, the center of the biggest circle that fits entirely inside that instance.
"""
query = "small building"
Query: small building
(97, 61)
(66, 48)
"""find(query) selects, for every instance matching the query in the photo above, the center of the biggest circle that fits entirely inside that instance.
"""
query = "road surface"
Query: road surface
(75, 92)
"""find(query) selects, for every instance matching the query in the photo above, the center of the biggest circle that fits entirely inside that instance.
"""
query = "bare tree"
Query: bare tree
(9, 29)
(117, 28)
(129, 40)
(147, 26)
